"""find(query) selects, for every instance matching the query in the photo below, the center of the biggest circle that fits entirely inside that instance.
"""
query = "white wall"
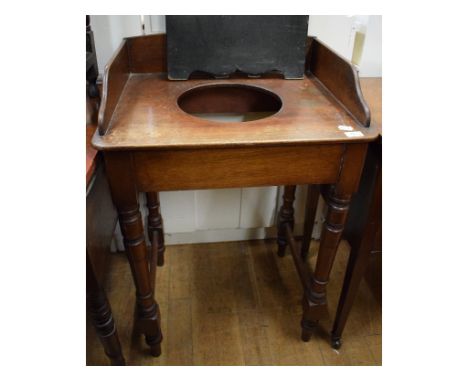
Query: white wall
(371, 65)
(108, 33)
(338, 33)
(234, 214)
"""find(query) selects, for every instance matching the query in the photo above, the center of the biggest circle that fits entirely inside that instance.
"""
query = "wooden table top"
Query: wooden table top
(371, 88)
(148, 116)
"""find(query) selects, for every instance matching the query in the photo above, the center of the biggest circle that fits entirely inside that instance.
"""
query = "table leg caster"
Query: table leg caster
(306, 335)
(336, 342)
(281, 250)
(154, 343)
(308, 328)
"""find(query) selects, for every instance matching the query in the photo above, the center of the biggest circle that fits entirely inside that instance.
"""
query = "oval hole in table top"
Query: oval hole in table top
(229, 102)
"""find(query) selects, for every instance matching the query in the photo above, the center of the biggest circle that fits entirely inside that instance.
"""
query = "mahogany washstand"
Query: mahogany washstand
(317, 134)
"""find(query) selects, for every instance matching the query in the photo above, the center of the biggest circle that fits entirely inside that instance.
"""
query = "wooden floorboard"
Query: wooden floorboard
(237, 303)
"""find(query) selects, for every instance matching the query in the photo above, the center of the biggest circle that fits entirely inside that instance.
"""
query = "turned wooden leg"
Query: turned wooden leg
(101, 317)
(125, 196)
(285, 217)
(155, 223)
(148, 311)
(337, 197)
(358, 262)
(313, 193)
(315, 304)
